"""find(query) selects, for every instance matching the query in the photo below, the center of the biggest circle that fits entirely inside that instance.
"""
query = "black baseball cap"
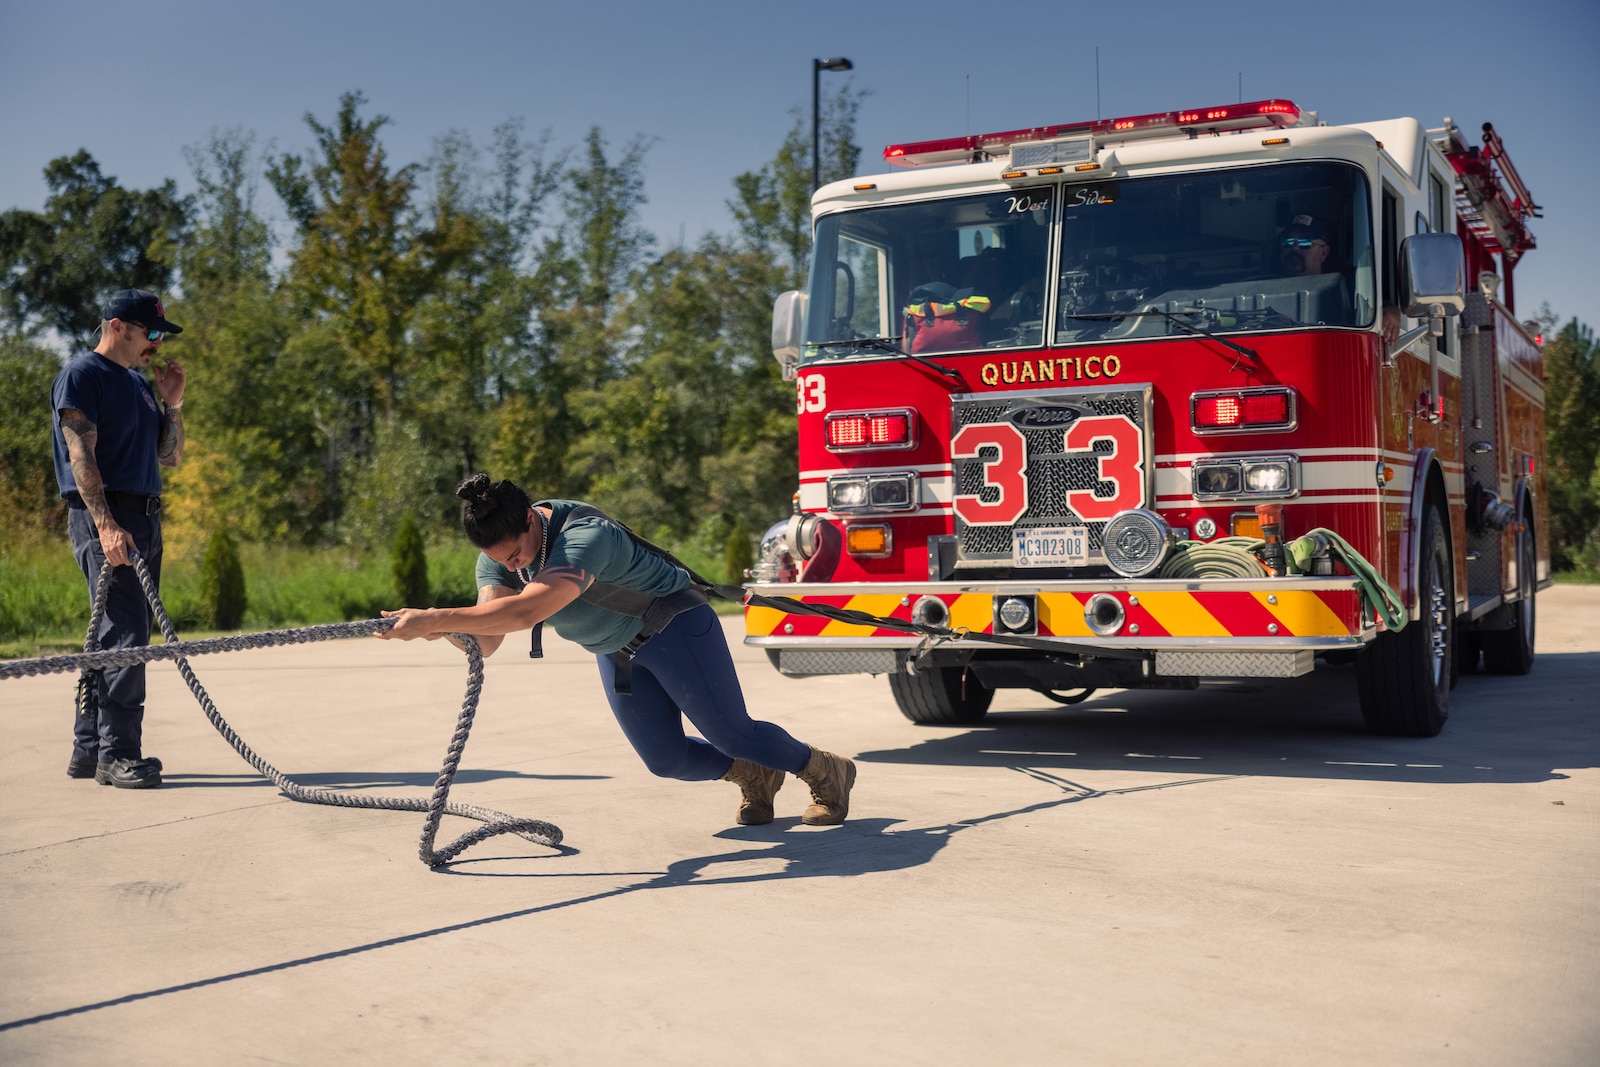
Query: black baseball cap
(1305, 226)
(138, 307)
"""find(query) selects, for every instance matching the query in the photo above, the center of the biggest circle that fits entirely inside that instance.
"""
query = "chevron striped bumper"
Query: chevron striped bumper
(1208, 615)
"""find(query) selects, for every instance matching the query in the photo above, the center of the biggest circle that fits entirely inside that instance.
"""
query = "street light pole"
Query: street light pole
(817, 67)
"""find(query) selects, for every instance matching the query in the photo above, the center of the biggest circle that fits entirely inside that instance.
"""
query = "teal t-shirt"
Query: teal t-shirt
(603, 549)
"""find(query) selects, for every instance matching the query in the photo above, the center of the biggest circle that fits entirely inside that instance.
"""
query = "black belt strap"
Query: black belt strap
(135, 502)
(656, 619)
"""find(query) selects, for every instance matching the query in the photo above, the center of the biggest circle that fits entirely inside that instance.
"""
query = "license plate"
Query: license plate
(1050, 546)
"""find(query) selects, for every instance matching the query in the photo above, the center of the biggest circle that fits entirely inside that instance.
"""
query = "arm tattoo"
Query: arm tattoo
(81, 436)
(570, 575)
(169, 447)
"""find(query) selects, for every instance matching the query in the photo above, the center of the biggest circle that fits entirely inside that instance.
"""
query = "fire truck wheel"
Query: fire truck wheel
(938, 697)
(1404, 677)
(1511, 651)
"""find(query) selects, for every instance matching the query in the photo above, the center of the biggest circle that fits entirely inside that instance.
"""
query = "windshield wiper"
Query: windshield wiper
(887, 344)
(1173, 317)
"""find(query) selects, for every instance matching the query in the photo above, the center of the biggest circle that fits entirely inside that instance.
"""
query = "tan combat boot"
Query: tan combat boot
(759, 785)
(830, 778)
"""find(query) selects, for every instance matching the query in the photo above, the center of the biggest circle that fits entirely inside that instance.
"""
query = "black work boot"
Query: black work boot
(129, 773)
(81, 766)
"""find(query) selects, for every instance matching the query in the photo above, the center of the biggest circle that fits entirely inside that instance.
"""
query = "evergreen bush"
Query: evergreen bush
(738, 554)
(411, 564)
(222, 592)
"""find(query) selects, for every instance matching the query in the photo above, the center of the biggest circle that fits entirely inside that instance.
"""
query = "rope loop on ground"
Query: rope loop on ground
(437, 806)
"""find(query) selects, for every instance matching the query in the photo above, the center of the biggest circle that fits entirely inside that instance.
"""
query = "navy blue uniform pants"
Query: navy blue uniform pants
(685, 672)
(109, 725)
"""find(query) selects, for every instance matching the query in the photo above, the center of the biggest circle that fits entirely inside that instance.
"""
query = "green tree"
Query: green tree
(1572, 436)
(28, 494)
(222, 591)
(252, 413)
(738, 553)
(353, 281)
(582, 281)
(472, 327)
(58, 266)
(411, 564)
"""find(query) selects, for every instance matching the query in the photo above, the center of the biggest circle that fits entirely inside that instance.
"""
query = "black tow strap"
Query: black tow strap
(937, 634)
(656, 612)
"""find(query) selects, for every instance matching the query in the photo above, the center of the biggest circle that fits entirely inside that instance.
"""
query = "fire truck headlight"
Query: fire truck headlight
(894, 491)
(846, 494)
(1212, 479)
(1267, 476)
(1136, 541)
(891, 492)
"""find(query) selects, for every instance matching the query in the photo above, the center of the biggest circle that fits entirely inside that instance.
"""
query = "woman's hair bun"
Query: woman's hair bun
(474, 489)
(492, 511)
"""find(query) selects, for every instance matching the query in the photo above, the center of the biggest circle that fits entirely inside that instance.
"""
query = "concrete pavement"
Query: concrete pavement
(1238, 876)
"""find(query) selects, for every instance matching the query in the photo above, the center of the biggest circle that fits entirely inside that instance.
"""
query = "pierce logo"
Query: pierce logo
(1044, 418)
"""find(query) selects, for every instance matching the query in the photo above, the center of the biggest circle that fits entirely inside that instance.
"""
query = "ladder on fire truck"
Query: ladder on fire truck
(1491, 198)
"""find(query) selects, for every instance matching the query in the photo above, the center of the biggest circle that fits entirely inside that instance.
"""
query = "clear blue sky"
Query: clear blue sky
(713, 82)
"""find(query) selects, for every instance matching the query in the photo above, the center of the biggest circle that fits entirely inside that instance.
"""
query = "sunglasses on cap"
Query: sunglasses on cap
(1299, 242)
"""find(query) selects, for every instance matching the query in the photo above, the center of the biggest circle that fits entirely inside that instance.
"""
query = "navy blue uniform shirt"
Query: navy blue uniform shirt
(122, 405)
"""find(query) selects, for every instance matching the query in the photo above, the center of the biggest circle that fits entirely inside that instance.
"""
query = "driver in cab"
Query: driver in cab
(1303, 249)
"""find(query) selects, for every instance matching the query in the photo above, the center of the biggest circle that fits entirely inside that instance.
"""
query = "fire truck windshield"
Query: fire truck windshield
(1259, 248)
(940, 276)
(1271, 247)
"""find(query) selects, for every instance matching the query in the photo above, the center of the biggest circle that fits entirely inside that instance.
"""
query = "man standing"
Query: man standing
(111, 439)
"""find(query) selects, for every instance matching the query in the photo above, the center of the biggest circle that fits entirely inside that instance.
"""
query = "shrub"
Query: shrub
(411, 564)
(222, 593)
(738, 554)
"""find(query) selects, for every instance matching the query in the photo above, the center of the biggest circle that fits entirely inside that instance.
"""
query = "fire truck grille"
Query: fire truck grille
(1051, 474)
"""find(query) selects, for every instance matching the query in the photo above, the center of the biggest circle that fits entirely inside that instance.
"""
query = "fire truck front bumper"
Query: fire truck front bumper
(1214, 628)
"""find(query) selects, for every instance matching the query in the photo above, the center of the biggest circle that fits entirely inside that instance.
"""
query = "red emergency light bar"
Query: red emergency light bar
(1190, 123)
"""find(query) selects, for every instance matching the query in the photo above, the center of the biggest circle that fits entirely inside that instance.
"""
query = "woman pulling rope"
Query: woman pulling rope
(660, 648)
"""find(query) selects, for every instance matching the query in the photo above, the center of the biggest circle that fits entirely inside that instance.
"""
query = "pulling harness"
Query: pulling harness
(654, 612)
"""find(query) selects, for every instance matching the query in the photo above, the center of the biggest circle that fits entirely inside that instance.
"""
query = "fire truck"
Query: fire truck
(1220, 393)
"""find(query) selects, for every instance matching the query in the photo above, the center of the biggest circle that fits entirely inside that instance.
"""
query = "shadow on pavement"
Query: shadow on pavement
(776, 852)
(1307, 727)
(365, 779)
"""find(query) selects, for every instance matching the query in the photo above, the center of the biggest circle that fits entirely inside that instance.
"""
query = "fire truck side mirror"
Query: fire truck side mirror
(788, 325)
(1432, 275)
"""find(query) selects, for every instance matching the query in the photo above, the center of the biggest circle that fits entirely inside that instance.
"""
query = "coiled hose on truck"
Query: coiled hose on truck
(1240, 557)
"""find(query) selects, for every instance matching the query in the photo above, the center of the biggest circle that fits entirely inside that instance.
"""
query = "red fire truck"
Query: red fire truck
(1219, 393)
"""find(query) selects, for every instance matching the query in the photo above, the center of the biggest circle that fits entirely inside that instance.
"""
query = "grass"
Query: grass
(44, 600)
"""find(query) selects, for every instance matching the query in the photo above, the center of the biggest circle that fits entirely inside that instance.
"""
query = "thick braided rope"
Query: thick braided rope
(438, 806)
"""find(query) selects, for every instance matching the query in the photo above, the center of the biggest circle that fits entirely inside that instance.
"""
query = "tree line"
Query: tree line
(392, 327)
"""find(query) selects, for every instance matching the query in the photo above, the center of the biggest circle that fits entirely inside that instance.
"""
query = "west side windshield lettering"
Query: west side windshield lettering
(1089, 195)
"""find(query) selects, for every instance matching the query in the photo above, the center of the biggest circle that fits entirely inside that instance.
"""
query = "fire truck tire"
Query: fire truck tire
(937, 697)
(1511, 651)
(1404, 677)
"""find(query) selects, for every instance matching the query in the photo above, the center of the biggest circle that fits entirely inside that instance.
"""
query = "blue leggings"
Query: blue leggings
(685, 671)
